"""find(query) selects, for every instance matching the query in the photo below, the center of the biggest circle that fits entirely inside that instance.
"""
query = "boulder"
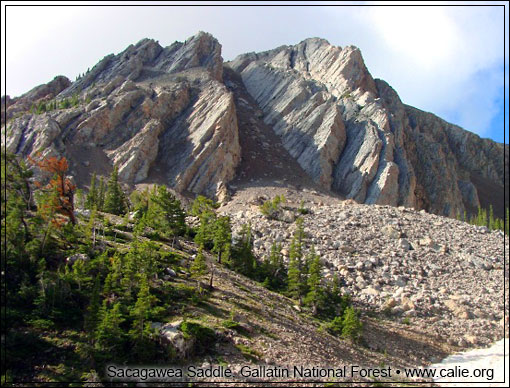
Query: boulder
(171, 334)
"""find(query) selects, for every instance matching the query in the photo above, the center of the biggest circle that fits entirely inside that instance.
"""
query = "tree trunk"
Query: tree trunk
(211, 278)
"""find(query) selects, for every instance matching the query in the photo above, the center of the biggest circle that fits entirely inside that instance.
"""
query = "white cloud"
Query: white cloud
(447, 60)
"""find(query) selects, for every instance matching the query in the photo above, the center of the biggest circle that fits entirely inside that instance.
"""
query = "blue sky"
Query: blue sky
(444, 59)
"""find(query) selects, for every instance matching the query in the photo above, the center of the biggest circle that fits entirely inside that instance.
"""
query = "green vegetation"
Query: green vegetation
(347, 325)
(103, 301)
(115, 199)
(249, 353)
(204, 337)
(272, 208)
(302, 209)
(160, 211)
(44, 106)
(484, 218)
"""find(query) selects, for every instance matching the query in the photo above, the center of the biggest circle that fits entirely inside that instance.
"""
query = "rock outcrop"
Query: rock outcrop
(352, 133)
(45, 92)
(171, 115)
(147, 105)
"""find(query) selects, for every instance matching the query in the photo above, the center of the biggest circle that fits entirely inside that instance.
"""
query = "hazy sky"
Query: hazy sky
(446, 59)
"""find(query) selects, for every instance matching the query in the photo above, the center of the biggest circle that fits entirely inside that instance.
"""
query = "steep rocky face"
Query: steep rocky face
(147, 105)
(175, 115)
(352, 133)
(324, 103)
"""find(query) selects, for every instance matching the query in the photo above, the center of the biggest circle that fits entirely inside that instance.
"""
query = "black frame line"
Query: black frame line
(456, 3)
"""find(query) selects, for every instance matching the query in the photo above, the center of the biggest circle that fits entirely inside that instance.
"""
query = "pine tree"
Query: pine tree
(78, 199)
(115, 201)
(109, 335)
(47, 210)
(202, 205)
(141, 332)
(204, 236)
(204, 209)
(222, 237)
(352, 326)
(294, 279)
(91, 200)
(491, 218)
(296, 282)
(243, 259)
(90, 230)
(199, 267)
(92, 317)
(16, 201)
(141, 310)
(165, 213)
(101, 194)
(140, 202)
(273, 269)
(314, 296)
(59, 184)
(276, 261)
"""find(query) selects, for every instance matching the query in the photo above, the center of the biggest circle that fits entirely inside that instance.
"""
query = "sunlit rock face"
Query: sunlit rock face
(352, 133)
(159, 114)
(168, 115)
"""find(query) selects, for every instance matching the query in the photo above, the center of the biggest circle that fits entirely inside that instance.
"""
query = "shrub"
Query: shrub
(302, 209)
(351, 325)
(335, 327)
(272, 208)
(204, 336)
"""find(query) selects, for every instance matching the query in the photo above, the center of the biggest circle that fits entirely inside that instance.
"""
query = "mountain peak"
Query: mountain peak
(167, 115)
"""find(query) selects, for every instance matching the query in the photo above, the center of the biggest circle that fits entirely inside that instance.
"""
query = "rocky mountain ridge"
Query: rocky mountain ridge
(171, 115)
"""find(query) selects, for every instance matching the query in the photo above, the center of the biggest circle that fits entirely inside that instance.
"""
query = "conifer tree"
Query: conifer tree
(276, 260)
(203, 208)
(294, 278)
(296, 281)
(243, 260)
(222, 237)
(199, 267)
(16, 200)
(115, 201)
(91, 200)
(141, 310)
(314, 296)
(352, 326)
(141, 332)
(79, 201)
(109, 334)
(276, 267)
(165, 213)
(59, 184)
(101, 194)
(91, 319)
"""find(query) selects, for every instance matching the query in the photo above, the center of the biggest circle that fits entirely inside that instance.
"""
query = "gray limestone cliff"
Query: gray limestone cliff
(160, 114)
(352, 133)
(168, 115)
